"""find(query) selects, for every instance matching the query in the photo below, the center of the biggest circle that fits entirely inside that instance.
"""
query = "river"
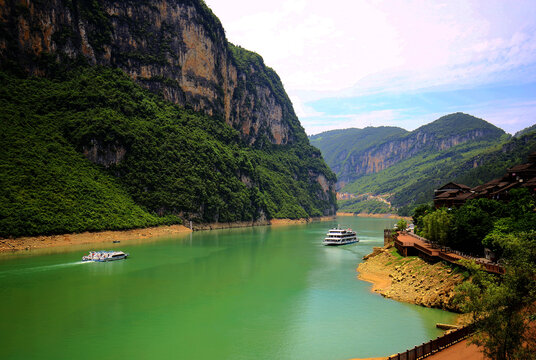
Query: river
(250, 293)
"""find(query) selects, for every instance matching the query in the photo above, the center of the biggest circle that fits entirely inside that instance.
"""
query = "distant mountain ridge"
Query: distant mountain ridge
(354, 153)
(408, 166)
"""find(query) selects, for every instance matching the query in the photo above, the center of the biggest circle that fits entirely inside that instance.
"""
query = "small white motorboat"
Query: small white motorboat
(103, 256)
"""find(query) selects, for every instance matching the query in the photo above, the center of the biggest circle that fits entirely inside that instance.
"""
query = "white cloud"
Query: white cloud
(349, 48)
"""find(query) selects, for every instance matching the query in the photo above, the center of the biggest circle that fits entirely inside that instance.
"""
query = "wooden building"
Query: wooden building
(451, 195)
(523, 175)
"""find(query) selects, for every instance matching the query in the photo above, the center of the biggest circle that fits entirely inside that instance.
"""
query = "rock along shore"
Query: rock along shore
(410, 279)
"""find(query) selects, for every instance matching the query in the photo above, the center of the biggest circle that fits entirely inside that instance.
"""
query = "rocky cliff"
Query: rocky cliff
(174, 47)
(368, 151)
(380, 157)
(174, 123)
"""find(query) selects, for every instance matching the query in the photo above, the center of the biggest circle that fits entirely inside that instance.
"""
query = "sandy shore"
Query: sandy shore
(52, 241)
(380, 280)
(41, 242)
(382, 270)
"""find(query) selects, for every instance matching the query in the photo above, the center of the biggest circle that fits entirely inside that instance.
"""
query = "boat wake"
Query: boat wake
(43, 268)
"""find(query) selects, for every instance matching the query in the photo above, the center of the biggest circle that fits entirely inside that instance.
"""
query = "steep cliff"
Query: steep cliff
(154, 111)
(173, 47)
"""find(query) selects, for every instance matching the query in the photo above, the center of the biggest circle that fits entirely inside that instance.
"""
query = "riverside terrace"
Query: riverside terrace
(409, 244)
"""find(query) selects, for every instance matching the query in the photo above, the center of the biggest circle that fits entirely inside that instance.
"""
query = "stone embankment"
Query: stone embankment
(410, 279)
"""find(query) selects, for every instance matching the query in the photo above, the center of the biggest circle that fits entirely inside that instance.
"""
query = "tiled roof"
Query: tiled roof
(450, 184)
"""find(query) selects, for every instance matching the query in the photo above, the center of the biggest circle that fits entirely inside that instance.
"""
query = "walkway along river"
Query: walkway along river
(262, 292)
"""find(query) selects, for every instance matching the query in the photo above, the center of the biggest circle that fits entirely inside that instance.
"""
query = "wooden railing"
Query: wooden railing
(444, 254)
(433, 346)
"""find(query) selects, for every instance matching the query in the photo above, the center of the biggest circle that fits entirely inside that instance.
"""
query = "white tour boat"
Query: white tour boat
(340, 236)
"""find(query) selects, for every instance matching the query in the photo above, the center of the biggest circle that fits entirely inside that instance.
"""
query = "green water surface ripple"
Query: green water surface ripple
(263, 293)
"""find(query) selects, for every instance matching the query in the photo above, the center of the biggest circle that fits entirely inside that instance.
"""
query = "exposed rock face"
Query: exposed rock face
(104, 154)
(378, 158)
(410, 279)
(174, 47)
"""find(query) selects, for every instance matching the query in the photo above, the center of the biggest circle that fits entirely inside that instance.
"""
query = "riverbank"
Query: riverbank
(378, 216)
(50, 241)
(410, 279)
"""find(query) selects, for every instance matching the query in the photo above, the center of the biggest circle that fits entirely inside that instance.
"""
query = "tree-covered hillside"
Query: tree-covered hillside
(454, 125)
(414, 180)
(413, 164)
(493, 162)
(158, 162)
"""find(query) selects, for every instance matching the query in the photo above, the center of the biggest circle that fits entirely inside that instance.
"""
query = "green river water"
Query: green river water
(251, 293)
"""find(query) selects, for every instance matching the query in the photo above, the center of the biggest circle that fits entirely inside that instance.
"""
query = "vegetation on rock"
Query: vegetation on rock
(153, 162)
(411, 279)
(406, 167)
(361, 205)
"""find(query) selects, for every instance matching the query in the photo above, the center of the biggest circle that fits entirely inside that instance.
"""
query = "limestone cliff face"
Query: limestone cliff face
(174, 47)
(378, 158)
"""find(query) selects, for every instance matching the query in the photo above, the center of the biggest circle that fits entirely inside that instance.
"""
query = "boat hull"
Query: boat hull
(334, 243)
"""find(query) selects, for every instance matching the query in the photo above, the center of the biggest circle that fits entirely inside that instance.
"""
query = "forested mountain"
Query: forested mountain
(408, 168)
(136, 113)
(525, 131)
(390, 146)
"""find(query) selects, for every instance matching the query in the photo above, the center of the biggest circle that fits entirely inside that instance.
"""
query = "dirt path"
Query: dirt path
(380, 216)
(459, 351)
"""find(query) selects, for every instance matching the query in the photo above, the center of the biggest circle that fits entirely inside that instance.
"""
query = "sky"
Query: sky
(358, 63)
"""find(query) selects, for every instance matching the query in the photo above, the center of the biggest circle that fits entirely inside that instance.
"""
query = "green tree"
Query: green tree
(502, 308)
(436, 226)
(472, 222)
(401, 224)
(419, 213)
